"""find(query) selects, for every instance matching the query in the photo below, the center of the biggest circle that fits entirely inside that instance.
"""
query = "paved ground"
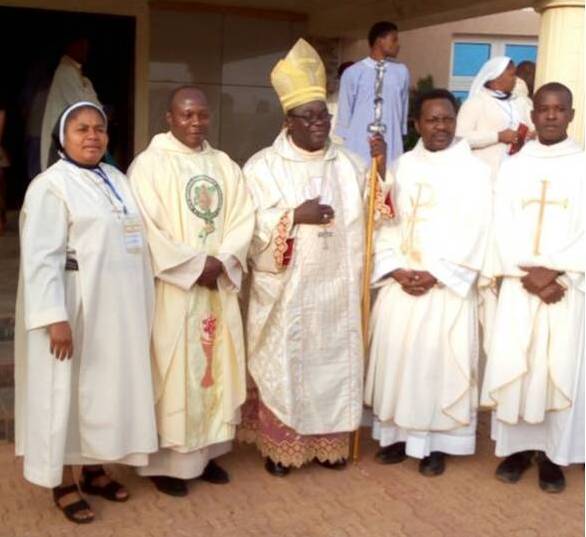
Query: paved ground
(365, 500)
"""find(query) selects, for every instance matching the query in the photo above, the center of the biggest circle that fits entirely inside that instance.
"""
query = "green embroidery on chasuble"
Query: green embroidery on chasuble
(205, 199)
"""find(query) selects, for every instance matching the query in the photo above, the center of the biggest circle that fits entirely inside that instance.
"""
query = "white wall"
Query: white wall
(230, 58)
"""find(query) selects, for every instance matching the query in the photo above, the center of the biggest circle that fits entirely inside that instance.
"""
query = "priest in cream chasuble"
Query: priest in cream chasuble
(422, 374)
(304, 339)
(535, 371)
(199, 221)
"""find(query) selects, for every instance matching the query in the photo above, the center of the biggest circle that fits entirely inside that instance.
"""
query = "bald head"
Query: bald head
(178, 95)
(188, 116)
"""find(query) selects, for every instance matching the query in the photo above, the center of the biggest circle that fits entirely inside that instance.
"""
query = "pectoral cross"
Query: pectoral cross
(408, 245)
(325, 234)
(543, 202)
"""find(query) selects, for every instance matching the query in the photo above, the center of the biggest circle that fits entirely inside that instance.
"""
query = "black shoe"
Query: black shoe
(338, 465)
(433, 465)
(276, 468)
(551, 477)
(392, 454)
(215, 474)
(514, 466)
(170, 485)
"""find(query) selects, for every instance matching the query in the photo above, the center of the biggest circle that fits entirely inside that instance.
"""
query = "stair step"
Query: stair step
(6, 364)
(6, 415)
(6, 328)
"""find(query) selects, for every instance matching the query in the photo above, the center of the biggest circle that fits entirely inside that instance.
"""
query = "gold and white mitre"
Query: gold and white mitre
(300, 78)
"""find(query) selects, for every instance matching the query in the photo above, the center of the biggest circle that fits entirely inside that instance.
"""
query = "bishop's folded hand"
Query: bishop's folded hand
(312, 212)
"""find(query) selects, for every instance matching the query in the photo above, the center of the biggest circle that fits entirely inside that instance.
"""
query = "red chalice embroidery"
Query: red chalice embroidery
(208, 340)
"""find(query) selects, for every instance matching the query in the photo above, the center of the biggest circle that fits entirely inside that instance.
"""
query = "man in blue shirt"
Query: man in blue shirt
(356, 101)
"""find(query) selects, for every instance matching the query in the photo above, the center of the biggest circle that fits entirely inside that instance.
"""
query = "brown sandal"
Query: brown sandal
(108, 491)
(70, 511)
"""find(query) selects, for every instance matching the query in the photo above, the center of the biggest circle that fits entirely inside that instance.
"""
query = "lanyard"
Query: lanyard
(507, 107)
(102, 174)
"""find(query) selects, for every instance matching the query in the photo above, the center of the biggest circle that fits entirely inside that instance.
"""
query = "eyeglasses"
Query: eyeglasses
(310, 119)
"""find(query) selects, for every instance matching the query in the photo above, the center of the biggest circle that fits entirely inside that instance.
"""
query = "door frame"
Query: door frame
(139, 10)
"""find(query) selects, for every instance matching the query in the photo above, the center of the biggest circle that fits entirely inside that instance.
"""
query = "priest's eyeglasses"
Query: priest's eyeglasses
(311, 119)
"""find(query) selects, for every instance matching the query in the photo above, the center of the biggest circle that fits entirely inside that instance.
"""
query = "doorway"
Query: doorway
(33, 41)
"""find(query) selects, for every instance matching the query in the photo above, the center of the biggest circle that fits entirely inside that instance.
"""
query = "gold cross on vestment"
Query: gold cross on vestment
(408, 244)
(543, 203)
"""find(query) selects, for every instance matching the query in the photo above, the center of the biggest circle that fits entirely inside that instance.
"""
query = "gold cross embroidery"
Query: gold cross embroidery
(543, 202)
(408, 244)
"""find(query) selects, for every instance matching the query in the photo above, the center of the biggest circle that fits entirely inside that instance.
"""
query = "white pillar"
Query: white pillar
(560, 56)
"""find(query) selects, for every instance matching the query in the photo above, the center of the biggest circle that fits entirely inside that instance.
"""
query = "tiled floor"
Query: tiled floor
(365, 500)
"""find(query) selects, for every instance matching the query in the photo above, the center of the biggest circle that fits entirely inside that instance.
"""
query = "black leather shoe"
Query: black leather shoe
(276, 468)
(338, 465)
(551, 477)
(392, 454)
(514, 466)
(215, 474)
(433, 465)
(170, 485)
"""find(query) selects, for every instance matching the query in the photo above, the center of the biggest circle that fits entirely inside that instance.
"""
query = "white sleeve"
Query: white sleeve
(43, 251)
(456, 277)
(185, 275)
(468, 128)
(231, 278)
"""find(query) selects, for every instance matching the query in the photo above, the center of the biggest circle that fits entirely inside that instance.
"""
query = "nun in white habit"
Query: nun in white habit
(493, 119)
(84, 393)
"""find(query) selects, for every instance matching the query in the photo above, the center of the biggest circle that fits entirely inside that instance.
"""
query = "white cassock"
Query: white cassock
(97, 407)
(422, 373)
(535, 371)
(303, 325)
(195, 204)
(483, 116)
(68, 87)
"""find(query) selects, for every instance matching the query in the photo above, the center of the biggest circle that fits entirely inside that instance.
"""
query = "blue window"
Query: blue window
(469, 58)
(460, 95)
(519, 53)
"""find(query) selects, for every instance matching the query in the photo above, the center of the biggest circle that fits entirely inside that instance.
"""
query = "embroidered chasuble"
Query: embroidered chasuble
(422, 373)
(534, 377)
(195, 205)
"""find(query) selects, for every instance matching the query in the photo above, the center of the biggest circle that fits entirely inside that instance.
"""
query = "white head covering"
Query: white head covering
(75, 106)
(492, 69)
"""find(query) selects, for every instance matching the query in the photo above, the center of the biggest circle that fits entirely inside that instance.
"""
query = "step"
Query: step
(6, 364)
(7, 328)
(6, 415)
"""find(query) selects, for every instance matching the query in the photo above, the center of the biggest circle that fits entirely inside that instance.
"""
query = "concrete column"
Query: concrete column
(560, 56)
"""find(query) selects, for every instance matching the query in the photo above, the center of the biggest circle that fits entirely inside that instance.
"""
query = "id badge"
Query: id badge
(132, 234)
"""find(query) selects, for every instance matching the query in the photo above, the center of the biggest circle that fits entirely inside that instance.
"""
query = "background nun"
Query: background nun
(493, 120)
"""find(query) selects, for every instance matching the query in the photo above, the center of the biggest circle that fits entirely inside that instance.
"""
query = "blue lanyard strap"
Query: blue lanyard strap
(102, 174)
